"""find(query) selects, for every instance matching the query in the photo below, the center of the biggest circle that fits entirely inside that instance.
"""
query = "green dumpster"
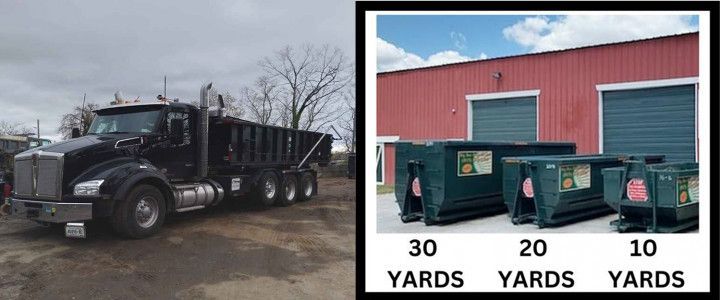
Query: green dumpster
(441, 181)
(557, 189)
(656, 198)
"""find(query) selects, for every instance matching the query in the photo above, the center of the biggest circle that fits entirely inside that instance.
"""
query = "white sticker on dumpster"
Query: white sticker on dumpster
(636, 190)
(688, 190)
(574, 177)
(527, 188)
(471, 163)
(416, 187)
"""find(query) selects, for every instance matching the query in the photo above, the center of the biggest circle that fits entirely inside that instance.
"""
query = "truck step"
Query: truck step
(184, 209)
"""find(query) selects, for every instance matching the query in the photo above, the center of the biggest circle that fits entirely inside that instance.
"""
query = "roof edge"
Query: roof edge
(538, 53)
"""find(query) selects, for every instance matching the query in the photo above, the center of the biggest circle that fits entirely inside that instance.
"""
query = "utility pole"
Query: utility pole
(38, 130)
(165, 86)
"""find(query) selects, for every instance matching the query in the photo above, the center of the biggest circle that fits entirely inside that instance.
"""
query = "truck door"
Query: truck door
(178, 158)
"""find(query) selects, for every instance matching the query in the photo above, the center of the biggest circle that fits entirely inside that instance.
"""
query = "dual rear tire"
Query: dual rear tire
(270, 190)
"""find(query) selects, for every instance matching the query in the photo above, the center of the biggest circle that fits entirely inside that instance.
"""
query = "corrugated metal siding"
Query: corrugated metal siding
(389, 163)
(511, 119)
(656, 120)
(419, 104)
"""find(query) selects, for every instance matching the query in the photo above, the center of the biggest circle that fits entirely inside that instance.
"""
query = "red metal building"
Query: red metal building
(637, 96)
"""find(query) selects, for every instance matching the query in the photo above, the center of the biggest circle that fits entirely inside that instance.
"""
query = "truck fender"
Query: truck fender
(154, 178)
(258, 174)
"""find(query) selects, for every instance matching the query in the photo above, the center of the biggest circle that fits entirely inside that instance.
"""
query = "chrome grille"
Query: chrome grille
(47, 177)
(23, 177)
(39, 175)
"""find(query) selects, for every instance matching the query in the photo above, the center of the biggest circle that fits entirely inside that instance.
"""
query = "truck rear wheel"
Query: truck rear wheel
(290, 190)
(267, 189)
(141, 214)
(307, 186)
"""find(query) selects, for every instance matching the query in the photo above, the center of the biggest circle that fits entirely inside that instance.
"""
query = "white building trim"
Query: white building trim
(646, 84)
(380, 159)
(381, 141)
(388, 139)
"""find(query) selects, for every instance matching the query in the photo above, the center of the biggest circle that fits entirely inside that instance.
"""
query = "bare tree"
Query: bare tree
(261, 99)
(347, 123)
(7, 128)
(310, 81)
(284, 115)
(232, 107)
(77, 118)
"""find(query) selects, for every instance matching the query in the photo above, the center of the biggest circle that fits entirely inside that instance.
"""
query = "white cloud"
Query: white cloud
(391, 58)
(445, 57)
(458, 40)
(541, 34)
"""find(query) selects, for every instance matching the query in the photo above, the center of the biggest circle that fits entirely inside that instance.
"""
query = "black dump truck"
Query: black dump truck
(141, 161)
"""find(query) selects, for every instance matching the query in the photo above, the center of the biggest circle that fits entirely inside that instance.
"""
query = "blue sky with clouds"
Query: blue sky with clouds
(407, 41)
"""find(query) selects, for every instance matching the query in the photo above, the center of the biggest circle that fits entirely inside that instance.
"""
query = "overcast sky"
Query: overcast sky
(51, 52)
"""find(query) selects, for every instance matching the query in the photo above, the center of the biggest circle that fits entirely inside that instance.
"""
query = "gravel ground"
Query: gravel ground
(388, 221)
(225, 252)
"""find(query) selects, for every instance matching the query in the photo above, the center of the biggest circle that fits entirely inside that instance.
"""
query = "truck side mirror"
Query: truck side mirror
(75, 133)
(176, 131)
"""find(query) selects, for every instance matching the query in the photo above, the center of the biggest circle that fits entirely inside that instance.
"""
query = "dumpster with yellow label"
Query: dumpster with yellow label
(558, 189)
(441, 181)
(655, 198)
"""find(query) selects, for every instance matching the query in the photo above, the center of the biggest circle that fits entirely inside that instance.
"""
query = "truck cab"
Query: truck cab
(139, 162)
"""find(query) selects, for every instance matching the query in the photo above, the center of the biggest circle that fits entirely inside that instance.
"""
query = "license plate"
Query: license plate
(75, 231)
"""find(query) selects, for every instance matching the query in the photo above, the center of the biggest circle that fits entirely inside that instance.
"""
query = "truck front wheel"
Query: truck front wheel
(141, 214)
(267, 189)
(307, 186)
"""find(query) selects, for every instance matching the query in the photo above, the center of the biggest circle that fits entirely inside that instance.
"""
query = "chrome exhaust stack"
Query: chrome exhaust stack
(203, 131)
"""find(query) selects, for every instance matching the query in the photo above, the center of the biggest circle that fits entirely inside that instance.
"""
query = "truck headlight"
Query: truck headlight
(88, 188)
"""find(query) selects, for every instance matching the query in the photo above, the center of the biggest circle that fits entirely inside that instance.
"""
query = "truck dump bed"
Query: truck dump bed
(234, 142)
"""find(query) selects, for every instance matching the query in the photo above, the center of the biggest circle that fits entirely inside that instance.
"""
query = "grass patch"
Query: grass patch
(385, 189)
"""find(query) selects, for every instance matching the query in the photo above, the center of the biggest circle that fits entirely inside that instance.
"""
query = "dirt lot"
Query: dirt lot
(303, 251)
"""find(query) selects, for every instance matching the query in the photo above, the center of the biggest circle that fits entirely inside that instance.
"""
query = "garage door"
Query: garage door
(513, 119)
(655, 120)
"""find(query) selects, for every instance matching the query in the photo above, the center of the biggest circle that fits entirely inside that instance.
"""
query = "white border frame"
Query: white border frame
(503, 95)
(636, 85)
(385, 250)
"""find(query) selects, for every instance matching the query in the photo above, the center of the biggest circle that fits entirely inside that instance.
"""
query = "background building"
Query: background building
(630, 97)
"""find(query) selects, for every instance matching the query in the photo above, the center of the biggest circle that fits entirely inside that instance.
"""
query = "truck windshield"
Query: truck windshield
(128, 122)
